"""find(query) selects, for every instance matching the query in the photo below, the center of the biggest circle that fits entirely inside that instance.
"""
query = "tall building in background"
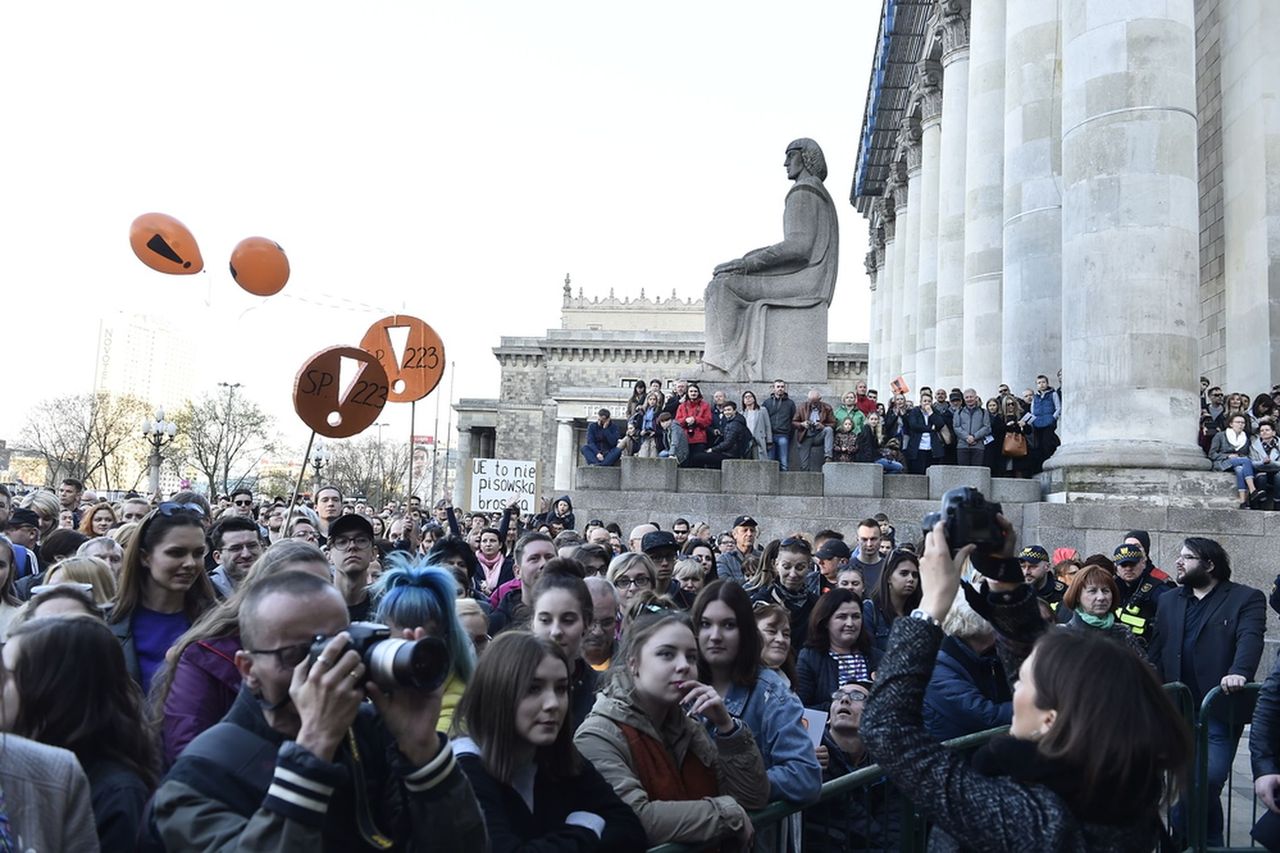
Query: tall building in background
(141, 356)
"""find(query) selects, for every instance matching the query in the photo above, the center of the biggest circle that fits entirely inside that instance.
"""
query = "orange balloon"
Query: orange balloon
(164, 244)
(260, 266)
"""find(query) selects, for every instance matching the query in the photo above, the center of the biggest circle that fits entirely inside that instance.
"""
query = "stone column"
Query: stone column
(891, 282)
(929, 76)
(873, 321)
(566, 455)
(878, 312)
(1251, 191)
(1130, 247)
(911, 252)
(951, 349)
(1032, 296)
(984, 200)
(902, 212)
(462, 473)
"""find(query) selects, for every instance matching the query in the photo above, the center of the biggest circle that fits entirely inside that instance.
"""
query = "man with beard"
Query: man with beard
(1209, 634)
(1140, 591)
(870, 820)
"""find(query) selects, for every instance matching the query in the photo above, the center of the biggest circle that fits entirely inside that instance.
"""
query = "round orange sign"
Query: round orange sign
(340, 391)
(413, 371)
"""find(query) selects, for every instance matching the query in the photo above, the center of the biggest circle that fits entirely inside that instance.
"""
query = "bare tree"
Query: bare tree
(91, 437)
(369, 467)
(223, 438)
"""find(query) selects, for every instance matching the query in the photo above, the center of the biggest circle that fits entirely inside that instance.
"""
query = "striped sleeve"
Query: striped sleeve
(302, 786)
(435, 771)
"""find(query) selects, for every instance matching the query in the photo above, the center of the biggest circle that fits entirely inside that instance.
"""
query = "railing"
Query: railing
(905, 830)
(866, 782)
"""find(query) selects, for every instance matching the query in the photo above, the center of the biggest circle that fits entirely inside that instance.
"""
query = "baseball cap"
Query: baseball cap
(745, 521)
(1127, 554)
(353, 523)
(657, 541)
(1034, 554)
(834, 549)
(23, 518)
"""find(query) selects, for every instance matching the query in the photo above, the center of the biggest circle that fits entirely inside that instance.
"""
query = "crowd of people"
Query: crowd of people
(188, 676)
(1012, 435)
(1238, 433)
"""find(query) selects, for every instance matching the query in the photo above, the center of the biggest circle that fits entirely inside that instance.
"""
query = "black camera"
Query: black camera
(969, 519)
(391, 662)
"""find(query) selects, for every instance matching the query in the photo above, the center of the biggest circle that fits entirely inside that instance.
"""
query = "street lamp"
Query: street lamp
(158, 433)
(319, 459)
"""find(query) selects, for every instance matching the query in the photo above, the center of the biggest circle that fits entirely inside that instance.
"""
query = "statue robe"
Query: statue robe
(799, 272)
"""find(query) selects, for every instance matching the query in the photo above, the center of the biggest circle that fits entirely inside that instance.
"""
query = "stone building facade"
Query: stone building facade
(551, 386)
(1077, 186)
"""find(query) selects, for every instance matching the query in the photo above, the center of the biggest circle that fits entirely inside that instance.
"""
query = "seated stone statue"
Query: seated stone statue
(799, 272)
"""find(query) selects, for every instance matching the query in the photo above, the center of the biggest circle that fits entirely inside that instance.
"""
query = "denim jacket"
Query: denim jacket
(773, 713)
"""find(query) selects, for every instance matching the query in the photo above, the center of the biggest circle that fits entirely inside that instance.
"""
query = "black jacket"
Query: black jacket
(917, 426)
(1229, 641)
(243, 780)
(119, 796)
(735, 438)
(782, 411)
(986, 812)
(1264, 732)
(513, 828)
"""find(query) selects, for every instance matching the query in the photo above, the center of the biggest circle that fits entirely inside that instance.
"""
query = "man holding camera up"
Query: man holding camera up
(301, 762)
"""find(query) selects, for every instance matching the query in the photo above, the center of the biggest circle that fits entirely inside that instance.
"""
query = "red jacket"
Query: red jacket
(700, 411)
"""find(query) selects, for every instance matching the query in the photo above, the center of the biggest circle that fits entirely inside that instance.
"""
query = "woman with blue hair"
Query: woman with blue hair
(415, 593)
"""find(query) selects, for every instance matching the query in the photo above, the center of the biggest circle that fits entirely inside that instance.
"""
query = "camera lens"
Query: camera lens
(409, 663)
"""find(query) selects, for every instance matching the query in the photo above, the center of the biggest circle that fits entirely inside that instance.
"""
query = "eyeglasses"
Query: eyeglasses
(642, 582)
(345, 542)
(850, 696)
(242, 546)
(41, 589)
(243, 503)
(308, 535)
(168, 508)
(287, 656)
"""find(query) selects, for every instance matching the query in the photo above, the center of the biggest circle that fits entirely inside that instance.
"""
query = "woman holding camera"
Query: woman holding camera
(1052, 782)
(689, 781)
(536, 791)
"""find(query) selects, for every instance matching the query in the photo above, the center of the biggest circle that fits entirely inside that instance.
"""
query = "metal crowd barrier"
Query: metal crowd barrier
(863, 811)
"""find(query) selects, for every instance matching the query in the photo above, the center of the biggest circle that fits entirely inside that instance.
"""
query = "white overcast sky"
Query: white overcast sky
(452, 160)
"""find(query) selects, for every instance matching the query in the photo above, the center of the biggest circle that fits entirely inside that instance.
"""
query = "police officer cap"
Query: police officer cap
(1127, 555)
(1034, 554)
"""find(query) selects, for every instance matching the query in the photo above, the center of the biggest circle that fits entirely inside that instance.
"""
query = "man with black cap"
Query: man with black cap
(660, 546)
(1035, 569)
(1142, 539)
(832, 557)
(729, 566)
(23, 530)
(350, 549)
(1139, 589)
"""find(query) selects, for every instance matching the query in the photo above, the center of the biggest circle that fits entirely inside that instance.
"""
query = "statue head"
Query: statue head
(811, 155)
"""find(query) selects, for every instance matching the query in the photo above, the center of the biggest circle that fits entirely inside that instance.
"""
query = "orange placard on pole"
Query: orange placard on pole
(340, 391)
(899, 386)
(413, 371)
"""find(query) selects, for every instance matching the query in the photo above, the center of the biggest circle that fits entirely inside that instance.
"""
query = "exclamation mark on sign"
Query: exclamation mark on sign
(158, 245)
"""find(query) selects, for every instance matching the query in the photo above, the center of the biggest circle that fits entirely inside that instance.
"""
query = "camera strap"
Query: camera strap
(364, 815)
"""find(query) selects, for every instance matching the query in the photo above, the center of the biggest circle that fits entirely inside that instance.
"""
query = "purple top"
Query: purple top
(153, 634)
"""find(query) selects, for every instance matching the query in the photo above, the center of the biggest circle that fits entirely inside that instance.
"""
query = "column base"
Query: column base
(1110, 453)
(1148, 486)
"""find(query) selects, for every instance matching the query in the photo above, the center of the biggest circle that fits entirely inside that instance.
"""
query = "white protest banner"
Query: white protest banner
(495, 483)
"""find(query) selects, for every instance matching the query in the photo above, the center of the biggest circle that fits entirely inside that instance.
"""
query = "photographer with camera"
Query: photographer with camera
(301, 762)
(1052, 782)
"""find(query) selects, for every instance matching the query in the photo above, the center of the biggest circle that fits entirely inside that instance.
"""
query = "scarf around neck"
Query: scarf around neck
(1102, 622)
(492, 567)
(1236, 439)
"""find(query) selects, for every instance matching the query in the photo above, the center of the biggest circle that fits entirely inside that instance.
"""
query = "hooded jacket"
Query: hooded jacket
(738, 766)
